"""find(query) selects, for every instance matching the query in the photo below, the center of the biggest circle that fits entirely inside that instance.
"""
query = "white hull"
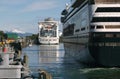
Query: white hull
(48, 40)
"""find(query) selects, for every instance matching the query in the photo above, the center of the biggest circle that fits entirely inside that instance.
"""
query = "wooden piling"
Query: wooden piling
(25, 60)
(19, 54)
(44, 74)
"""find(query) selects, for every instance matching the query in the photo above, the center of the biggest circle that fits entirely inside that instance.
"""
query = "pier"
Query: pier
(15, 65)
(7, 68)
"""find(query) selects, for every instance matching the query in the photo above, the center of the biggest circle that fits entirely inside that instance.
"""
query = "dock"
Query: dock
(13, 66)
(7, 70)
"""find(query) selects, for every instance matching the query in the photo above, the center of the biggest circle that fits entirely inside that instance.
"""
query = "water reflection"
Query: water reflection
(50, 54)
(61, 65)
(48, 57)
(101, 73)
(89, 70)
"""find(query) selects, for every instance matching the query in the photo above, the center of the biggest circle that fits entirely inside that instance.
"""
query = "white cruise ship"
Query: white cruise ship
(48, 31)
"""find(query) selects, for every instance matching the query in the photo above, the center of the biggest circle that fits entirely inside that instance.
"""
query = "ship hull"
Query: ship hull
(49, 40)
(106, 55)
(105, 48)
(93, 55)
(79, 53)
(101, 50)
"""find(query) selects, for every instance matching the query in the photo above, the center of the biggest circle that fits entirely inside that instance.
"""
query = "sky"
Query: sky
(24, 15)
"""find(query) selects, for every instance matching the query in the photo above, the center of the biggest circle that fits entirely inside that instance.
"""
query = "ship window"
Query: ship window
(92, 27)
(99, 35)
(99, 27)
(112, 44)
(62, 19)
(106, 19)
(106, 44)
(101, 44)
(82, 28)
(117, 35)
(108, 9)
(77, 30)
(112, 26)
(64, 12)
(68, 30)
(109, 35)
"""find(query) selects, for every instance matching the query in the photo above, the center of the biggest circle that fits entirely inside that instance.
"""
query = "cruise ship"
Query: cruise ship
(48, 31)
(94, 26)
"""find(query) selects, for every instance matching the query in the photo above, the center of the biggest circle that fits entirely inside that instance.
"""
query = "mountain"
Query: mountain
(17, 31)
(20, 33)
(24, 34)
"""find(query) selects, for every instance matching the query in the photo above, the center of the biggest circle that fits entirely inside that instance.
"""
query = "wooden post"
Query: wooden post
(19, 53)
(44, 74)
(25, 60)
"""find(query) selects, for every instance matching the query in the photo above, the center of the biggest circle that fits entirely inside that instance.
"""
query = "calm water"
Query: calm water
(52, 58)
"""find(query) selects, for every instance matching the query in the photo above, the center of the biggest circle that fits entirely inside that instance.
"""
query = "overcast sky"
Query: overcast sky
(25, 14)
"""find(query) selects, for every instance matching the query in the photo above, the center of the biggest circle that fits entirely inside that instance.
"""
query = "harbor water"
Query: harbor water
(53, 59)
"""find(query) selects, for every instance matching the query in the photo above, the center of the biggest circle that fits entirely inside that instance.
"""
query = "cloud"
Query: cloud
(40, 6)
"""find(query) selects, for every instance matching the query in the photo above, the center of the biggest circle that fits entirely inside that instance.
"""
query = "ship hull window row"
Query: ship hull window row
(108, 9)
(104, 1)
(105, 27)
(104, 39)
(106, 19)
